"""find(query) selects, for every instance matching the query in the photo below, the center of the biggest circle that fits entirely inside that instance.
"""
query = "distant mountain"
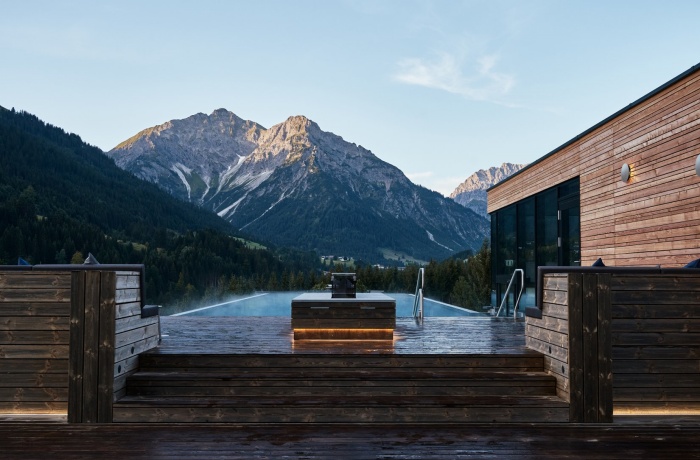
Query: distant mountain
(296, 185)
(472, 192)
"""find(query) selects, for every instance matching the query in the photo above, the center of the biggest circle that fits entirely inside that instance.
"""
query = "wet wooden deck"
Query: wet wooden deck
(40, 441)
(273, 335)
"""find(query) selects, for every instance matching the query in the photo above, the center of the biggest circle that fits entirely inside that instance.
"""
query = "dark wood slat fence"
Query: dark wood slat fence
(69, 337)
(620, 340)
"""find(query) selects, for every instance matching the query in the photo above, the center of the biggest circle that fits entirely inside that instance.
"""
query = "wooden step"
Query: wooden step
(342, 409)
(525, 362)
(340, 383)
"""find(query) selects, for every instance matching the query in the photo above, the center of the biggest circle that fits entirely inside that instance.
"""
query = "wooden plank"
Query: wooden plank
(36, 280)
(355, 323)
(34, 323)
(128, 309)
(652, 298)
(555, 282)
(656, 338)
(576, 370)
(657, 283)
(341, 313)
(658, 380)
(128, 295)
(549, 322)
(555, 311)
(547, 349)
(554, 297)
(135, 348)
(545, 335)
(134, 322)
(605, 375)
(590, 347)
(665, 394)
(34, 380)
(655, 310)
(34, 295)
(657, 325)
(35, 337)
(105, 385)
(135, 335)
(32, 407)
(42, 366)
(35, 309)
(91, 346)
(36, 394)
(128, 281)
(33, 351)
(77, 332)
(656, 366)
(655, 352)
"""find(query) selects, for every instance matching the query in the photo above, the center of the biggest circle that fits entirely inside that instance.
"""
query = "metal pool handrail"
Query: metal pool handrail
(418, 301)
(505, 295)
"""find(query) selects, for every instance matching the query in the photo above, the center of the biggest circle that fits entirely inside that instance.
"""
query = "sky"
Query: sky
(438, 88)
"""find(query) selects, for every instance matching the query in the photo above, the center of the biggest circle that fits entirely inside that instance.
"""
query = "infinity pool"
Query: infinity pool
(280, 304)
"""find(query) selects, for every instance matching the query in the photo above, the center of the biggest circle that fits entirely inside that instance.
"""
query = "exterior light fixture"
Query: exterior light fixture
(697, 165)
(625, 171)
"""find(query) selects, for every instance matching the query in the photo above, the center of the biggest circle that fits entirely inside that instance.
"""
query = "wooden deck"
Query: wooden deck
(57, 441)
(273, 335)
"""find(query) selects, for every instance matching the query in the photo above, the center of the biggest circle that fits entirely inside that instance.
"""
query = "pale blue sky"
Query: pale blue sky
(439, 89)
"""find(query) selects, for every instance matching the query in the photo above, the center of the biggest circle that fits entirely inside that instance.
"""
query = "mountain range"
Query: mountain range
(472, 192)
(296, 185)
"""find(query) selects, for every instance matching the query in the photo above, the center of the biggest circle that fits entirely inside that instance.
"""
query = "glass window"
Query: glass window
(547, 228)
(526, 249)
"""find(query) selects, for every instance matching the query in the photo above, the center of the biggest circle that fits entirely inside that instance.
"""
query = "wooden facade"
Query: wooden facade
(69, 337)
(653, 218)
(634, 346)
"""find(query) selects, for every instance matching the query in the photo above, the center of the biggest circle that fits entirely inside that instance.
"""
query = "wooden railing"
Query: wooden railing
(622, 340)
(69, 336)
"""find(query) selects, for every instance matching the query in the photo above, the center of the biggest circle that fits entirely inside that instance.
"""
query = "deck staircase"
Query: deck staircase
(341, 388)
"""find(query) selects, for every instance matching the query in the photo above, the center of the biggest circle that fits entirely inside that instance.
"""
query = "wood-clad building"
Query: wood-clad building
(572, 206)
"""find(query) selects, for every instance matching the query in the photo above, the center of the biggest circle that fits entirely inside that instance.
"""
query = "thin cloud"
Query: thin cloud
(480, 83)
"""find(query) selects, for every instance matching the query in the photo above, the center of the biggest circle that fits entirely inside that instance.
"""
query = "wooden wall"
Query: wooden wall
(652, 350)
(34, 341)
(574, 337)
(656, 343)
(68, 339)
(550, 334)
(134, 334)
(653, 218)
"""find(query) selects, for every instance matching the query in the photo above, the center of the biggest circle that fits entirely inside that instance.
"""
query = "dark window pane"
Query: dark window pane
(547, 228)
(526, 249)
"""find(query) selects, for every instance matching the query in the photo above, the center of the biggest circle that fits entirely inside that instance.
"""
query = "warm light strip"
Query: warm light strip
(342, 330)
(656, 411)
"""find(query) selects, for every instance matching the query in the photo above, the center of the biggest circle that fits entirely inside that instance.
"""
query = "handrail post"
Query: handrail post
(510, 284)
(418, 300)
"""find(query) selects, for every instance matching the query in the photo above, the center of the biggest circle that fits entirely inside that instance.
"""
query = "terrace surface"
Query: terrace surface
(273, 335)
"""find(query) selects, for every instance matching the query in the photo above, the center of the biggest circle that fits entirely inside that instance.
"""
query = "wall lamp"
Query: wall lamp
(625, 170)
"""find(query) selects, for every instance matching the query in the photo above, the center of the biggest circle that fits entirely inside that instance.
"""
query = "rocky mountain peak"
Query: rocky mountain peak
(294, 184)
(472, 192)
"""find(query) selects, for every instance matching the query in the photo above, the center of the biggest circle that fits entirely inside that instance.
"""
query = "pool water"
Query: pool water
(280, 304)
